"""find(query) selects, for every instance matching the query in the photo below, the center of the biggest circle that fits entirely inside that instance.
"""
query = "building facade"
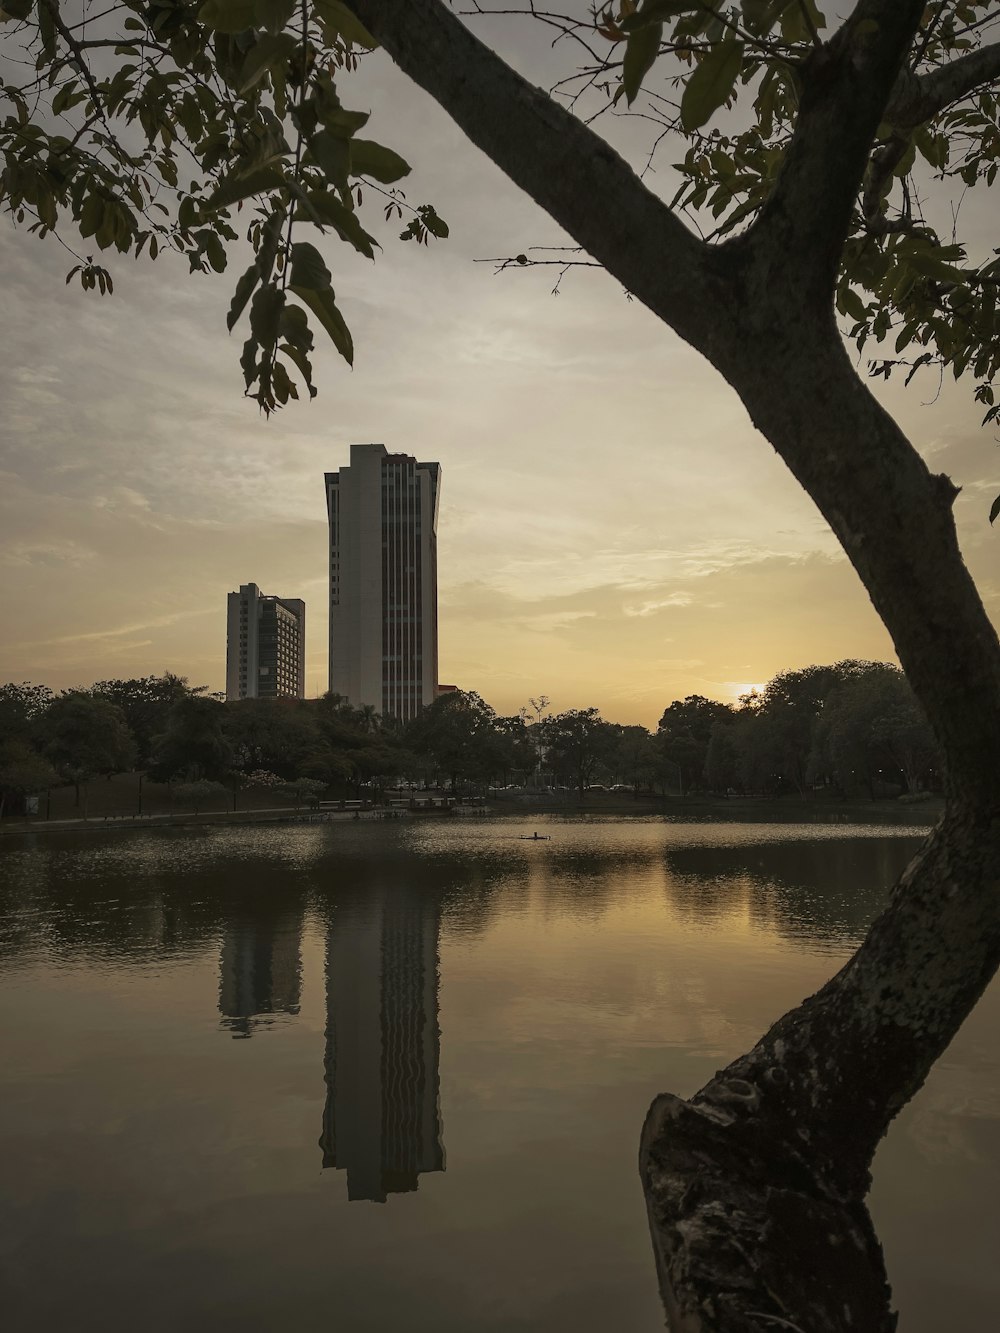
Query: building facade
(265, 646)
(383, 512)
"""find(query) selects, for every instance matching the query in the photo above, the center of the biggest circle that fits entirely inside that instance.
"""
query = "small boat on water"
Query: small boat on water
(534, 837)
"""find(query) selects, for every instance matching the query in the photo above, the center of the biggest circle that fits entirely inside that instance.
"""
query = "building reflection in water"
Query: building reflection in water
(382, 1119)
(260, 971)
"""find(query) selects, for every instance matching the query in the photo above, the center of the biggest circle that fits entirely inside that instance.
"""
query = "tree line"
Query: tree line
(853, 728)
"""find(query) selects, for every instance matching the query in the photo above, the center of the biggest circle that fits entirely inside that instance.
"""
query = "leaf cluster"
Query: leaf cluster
(729, 78)
(150, 127)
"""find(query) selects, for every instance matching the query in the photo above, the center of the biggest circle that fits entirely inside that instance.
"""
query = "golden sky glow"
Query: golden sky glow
(613, 530)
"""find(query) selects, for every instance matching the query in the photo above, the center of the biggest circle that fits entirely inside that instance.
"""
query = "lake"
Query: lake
(368, 1076)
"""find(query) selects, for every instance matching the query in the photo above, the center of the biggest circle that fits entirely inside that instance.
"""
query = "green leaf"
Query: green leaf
(248, 361)
(265, 315)
(244, 290)
(329, 209)
(794, 27)
(230, 16)
(324, 307)
(930, 265)
(382, 164)
(711, 83)
(641, 50)
(261, 180)
(308, 268)
(652, 11)
(273, 14)
(266, 52)
(851, 304)
(435, 225)
(300, 359)
(91, 214)
(333, 156)
(16, 9)
(343, 23)
(214, 250)
(294, 327)
(47, 28)
(341, 123)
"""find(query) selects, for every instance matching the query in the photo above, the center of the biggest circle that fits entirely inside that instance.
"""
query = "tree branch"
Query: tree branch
(558, 161)
(918, 97)
(845, 86)
(79, 58)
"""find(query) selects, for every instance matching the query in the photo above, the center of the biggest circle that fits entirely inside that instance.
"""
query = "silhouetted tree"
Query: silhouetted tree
(683, 734)
(145, 703)
(85, 737)
(194, 745)
(458, 732)
(576, 742)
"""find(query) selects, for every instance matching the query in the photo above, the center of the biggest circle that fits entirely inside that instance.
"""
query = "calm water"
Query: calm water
(366, 1077)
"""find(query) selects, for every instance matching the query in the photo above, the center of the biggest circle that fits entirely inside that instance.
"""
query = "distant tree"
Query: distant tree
(274, 734)
(722, 759)
(789, 708)
(683, 734)
(576, 742)
(21, 706)
(23, 773)
(198, 794)
(458, 732)
(515, 749)
(145, 702)
(85, 737)
(909, 742)
(327, 765)
(633, 756)
(379, 762)
(303, 791)
(871, 728)
(194, 744)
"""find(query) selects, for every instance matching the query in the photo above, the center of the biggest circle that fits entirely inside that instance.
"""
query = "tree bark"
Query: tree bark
(755, 1187)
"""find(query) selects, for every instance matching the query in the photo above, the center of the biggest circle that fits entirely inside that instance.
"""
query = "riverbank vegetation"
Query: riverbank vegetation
(852, 729)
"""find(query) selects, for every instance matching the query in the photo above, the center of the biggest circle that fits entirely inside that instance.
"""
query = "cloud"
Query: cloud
(650, 608)
(48, 554)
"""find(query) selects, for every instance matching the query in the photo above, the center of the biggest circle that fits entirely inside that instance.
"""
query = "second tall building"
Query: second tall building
(383, 580)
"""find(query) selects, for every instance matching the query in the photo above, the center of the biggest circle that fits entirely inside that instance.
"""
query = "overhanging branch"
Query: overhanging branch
(567, 169)
(917, 98)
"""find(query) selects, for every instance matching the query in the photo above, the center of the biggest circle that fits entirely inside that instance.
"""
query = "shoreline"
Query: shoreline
(780, 809)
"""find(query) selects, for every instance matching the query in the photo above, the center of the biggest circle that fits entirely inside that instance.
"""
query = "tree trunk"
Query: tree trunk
(755, 1188)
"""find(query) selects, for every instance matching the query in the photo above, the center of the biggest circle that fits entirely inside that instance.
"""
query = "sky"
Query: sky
(613, 531)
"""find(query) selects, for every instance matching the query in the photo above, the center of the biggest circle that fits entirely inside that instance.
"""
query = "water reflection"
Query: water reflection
(382, 1118)
(260, 970)
(579, 977)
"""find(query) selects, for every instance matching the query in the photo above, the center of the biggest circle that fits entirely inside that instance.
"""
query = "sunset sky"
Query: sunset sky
(613, 531)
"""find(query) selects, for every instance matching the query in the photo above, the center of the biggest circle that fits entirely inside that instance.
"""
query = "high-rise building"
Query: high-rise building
(265, 646)
(383, 580)
(382, 1119)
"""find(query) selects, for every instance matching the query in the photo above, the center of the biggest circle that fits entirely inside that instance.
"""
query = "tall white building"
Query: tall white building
(383, 580)
(265, 645)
